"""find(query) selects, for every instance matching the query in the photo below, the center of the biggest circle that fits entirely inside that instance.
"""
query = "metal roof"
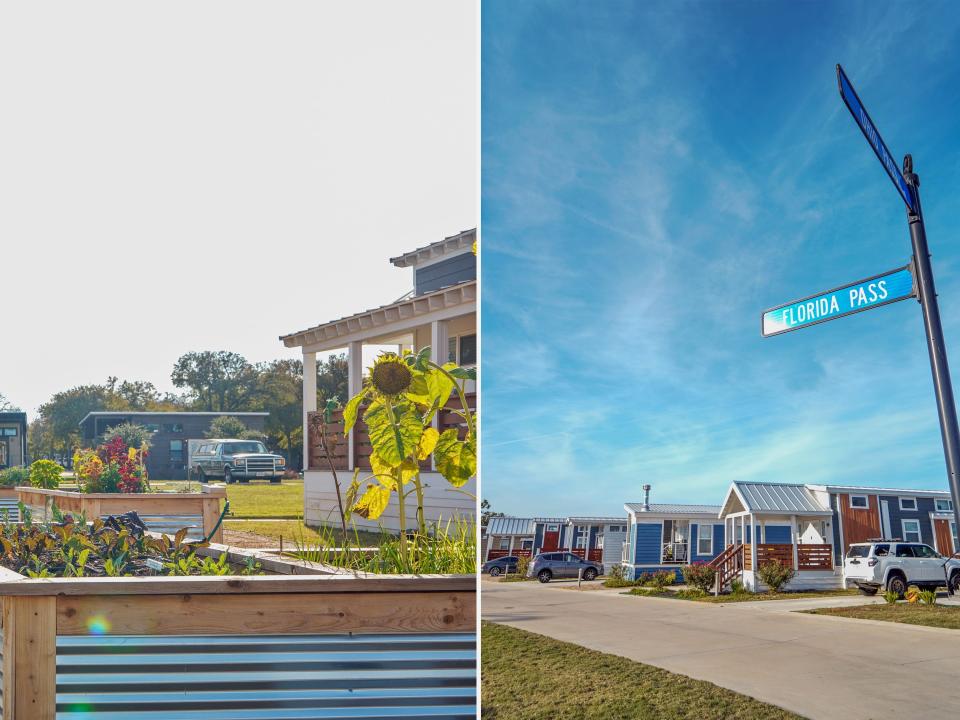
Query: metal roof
(778, 497)
(674, 508)
(168, 413)
(510, 526)
(871, 489)
(595, 519)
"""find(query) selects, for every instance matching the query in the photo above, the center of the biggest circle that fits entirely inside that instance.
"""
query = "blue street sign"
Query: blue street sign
(856, 297)
(872, 135)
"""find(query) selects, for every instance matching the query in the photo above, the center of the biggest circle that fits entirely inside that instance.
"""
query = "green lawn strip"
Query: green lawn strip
(265, 500)
(532, 677)
(294, 531)
(740, 597)
(938, 616)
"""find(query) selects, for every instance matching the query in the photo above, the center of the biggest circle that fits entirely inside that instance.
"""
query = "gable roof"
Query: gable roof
(774, 498)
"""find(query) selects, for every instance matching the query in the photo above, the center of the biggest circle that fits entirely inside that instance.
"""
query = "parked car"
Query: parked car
(500, 565)
(547, 566)
(234, 460)
(895, 565)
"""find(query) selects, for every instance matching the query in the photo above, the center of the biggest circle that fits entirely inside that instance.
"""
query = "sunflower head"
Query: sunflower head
(390, 375)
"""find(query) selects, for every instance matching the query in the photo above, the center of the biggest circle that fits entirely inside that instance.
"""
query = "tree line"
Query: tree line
(209, 380)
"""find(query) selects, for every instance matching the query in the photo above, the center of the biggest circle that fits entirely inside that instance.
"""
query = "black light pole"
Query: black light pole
(949, 429)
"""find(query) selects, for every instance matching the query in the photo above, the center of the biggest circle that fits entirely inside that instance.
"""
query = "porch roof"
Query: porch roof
(453, 243)
(510, 526)
(873, 490)
(672, 509)
(762, 498)
(401, 315)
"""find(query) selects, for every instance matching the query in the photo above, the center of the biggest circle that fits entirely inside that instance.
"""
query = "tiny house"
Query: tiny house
(522, 536)
(664, 536)
(599, 539)
(13, 439)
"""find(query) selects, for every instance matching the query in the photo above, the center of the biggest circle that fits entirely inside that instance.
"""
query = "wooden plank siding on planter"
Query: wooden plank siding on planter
(299, 599)
(201, 510)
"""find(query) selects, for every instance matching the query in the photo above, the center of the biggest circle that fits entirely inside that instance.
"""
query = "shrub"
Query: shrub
(523, 564)
(891, 597)
(228, 426)
(14, 476)
(928, 597)
(45, 474)
(775, 574)
(616, 578)
(737, 587)
(692, 594)
(131, 434)
(700, 576)
(615, 572)
(661, 579)
(125, 461)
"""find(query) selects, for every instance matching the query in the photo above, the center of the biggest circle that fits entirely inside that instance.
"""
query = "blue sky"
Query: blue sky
(656, 174)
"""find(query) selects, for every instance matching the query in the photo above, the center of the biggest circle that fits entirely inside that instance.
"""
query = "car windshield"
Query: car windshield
(858, 551)
(249, 446)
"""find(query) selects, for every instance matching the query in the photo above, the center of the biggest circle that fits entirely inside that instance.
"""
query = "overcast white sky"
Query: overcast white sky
(186, 176)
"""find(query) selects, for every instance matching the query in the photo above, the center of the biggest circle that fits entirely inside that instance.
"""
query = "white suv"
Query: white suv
(895, 565)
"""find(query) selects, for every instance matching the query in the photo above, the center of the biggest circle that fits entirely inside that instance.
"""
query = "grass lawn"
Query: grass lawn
(744, 597)
(292, 531)
(533, 677)
(940, 616)
(284, 500)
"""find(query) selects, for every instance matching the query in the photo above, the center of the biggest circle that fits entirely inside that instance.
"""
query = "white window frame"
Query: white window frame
(552, 527)
(581, 541)
(526, 544)
(948, 508)
(865, 506)
(599, 540)
(701, 538)
(903, 526)
(911, 499)
(503, 543)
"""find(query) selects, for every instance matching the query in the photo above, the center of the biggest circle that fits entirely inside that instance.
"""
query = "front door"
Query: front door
(551, 538)
(4, 453)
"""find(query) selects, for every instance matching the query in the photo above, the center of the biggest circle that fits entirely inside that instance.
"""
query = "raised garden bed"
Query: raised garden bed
(300, 640)
(162, 512)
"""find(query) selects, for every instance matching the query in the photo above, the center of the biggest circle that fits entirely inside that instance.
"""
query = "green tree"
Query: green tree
(332, 376)
(216, 381)
(60, 417)
(486, 512)
(228, 426)
(132, 434)
(6, 405)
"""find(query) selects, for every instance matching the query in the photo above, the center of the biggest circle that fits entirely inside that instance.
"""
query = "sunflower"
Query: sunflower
(390, 375)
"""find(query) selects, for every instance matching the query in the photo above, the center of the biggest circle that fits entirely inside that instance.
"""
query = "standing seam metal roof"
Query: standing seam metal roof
(509, 526)
(779, 497)
(675, 508)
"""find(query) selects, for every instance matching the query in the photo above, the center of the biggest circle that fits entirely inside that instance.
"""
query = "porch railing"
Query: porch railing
(727, 564)
(337, 444)
(674, 552)
(769, 552)
(815, 557)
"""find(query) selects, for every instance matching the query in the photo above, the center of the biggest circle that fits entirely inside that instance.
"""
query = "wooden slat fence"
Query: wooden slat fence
(815, 557)
(768, 552)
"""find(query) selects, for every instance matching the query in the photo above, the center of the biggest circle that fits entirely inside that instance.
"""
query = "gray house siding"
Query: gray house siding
(457, 269)
(925, 506)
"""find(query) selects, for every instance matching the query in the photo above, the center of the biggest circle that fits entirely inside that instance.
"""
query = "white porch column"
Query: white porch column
(439, 339)
(753, 543)
(309, 400)
(796, 541)
(763, 531)
(354, 385)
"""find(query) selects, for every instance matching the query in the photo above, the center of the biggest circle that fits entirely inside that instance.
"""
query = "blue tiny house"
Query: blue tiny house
(670, 536)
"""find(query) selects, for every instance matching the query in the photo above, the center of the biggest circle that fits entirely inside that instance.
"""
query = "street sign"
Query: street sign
(872, 135)
(856, 297)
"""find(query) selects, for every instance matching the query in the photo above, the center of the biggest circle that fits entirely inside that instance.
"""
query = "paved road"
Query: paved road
(820, 667)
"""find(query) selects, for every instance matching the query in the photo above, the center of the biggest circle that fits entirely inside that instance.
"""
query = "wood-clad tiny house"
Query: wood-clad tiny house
(13, 439)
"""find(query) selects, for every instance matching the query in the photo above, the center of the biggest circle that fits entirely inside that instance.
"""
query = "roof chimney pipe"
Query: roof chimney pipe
(646, 498)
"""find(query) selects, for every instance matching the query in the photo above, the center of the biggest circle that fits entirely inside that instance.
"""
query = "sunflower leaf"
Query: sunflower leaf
(373, 503)
(456, 459)
(395, 431)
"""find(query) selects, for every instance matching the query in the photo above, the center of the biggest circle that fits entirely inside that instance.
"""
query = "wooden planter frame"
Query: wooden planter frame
(206, 504)
(302, 598)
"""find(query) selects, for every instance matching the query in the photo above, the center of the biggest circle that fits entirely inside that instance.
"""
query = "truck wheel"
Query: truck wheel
(897, 584)
(201, 476)
(275, 481)
(228, 476)
(955, 582)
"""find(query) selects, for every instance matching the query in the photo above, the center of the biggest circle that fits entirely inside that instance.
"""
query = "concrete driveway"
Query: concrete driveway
(817, 666)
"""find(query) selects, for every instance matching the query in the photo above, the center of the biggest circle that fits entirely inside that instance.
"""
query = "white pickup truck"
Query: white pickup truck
(894, 565)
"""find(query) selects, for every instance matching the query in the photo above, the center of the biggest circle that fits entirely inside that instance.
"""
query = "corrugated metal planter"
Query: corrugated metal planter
(162, 512)
(305, 641)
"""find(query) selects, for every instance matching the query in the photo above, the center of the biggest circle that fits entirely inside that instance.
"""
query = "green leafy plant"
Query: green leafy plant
(662, 579)
(523, 565)
(891, 597)
(693, 593)
(209, 566)
(738, 588)
(775, 574)
(928, 597)
(700, 576)
(15, 476)
(45, 474)
(399, 401)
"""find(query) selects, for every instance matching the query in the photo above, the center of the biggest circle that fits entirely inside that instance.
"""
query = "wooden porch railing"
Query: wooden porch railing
(768, 552)
(338, 445)
(815, 557)
(727, 564)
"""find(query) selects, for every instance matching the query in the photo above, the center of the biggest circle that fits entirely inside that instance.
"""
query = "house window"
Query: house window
(582, 540)
(468, 350)
(526, 544)
(173, 427)
(943, 505)
(552, 528)
(152, 427)
(859, 501)
(599, 541)
(9, 432)
(452, 349)
(504, 543)
(705, 540)
(176, 452)
(908, 503)
(911, 530)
